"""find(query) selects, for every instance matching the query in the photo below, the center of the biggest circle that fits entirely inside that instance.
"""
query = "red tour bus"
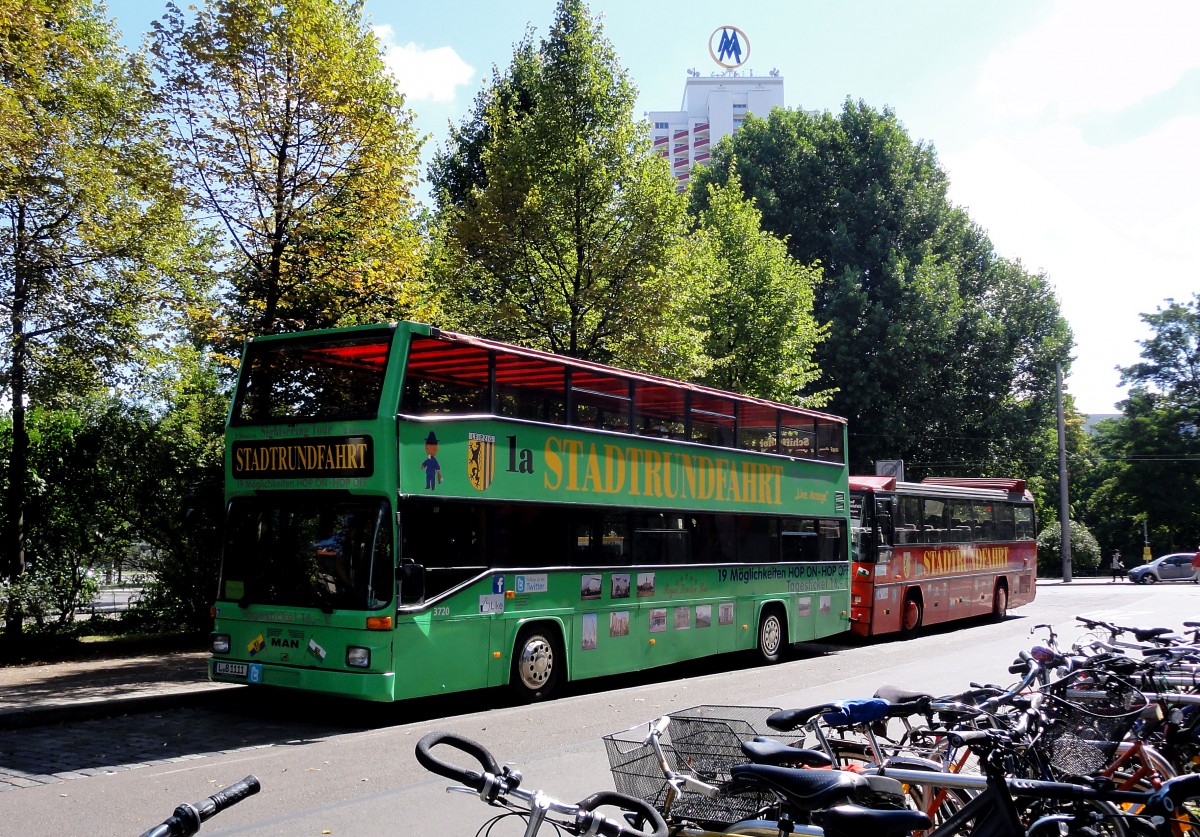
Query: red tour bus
(943, 549)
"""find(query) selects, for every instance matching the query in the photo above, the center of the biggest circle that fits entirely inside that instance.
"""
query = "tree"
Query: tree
(1172, 355)
(1147, 471)
(89, 250)
(941, 352)
(565, 237)
(293, 137)
(759, 312)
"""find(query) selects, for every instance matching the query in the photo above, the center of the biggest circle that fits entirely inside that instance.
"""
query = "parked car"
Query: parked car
(1174, 567)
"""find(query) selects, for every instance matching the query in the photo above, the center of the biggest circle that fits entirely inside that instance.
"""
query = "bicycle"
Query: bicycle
(186, 819)
(1003, 806)
(714, 793)
(500, 787)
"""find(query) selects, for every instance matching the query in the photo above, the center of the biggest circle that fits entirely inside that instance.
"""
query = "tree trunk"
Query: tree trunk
(14, 535)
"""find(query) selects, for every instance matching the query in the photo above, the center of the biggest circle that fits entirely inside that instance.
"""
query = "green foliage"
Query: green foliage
(1146, 472)
(292, 138)
(565, 236)
(941, 352)
(759, 310)
(1171, 357)
(90, 261)
(77, 505)
(1085, 551)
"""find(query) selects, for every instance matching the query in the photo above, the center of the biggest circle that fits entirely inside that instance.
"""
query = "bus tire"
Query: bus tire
(912, 615)
(537, 662)
(772, 634)
(1000, 602)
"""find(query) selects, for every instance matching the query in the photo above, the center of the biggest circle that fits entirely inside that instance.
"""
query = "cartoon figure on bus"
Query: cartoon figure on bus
(433, 471)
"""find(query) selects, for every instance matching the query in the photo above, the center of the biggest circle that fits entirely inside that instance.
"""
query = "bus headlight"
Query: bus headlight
(358, 657)
(220, 643)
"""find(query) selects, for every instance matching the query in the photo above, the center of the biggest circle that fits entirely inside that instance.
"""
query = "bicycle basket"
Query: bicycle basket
(1090, 712)
(703, 741)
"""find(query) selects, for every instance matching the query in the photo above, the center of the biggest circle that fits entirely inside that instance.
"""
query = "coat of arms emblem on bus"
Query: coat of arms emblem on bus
(481, 460)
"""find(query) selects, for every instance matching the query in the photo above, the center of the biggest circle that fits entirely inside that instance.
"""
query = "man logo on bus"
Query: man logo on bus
(433, 471)
(481, 460)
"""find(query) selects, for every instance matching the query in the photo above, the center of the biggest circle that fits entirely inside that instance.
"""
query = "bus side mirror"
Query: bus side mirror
(412, 583)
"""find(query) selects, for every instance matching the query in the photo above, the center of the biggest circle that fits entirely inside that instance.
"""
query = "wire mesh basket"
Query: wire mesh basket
(703, 741)
(1090, 712)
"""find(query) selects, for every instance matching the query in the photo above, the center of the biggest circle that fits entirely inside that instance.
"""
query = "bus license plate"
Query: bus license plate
(232, 669)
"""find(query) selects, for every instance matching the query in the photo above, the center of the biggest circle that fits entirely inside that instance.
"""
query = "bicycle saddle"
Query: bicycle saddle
(804, 790)
(765, 751)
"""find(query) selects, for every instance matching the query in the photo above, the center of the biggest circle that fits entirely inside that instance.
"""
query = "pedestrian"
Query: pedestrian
(1118, 566)
(1196, 567)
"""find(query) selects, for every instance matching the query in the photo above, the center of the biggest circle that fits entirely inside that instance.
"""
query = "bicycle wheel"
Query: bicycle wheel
(939, 803)
(1090, 818)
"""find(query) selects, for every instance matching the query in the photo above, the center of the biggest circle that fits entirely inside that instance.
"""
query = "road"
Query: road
(331, 767)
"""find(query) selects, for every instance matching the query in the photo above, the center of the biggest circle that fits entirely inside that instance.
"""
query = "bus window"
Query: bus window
(757, 428)
(829, 442)
(433, 385)
(528, 388)
(832, 544)
(326, 378)
(600, 402)
(883, 521)
(660, 539)
(960, 527)
(798, 437)
(984, 521)
(804, 540)
(933, 521)
(1006, 528)
(309, 551)
(756, 545)
(445, 538)
(862, 549)
(712, 421)
(615, 544)
(908, 520)
(1024, 522)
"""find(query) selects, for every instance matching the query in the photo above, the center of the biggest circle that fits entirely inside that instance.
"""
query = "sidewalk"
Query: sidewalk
(43, 694)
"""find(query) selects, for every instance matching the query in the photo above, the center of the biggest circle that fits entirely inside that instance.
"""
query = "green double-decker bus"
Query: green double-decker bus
(412, 512)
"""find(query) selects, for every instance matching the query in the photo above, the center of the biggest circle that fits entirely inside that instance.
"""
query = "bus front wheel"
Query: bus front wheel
(912, 615)
(537, 663)
(772, 636)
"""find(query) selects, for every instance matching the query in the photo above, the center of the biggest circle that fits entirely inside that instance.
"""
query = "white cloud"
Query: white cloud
(1112, 228)
(1093, 56)
(432, 75)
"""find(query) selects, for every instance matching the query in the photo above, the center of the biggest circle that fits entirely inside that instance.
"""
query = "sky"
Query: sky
(1069, 129)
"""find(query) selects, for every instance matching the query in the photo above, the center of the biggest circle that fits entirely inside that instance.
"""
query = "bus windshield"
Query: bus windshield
(320, 379)
(309, 552)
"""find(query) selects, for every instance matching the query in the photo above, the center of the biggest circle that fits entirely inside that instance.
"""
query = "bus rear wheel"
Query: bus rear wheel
(772, 635)
(912, 615)
(1000, 602)
(536, 664)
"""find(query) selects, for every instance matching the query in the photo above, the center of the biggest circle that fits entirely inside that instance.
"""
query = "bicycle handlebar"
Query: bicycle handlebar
(186, 819)
(494, 782)
(473, 780)
(591, 823)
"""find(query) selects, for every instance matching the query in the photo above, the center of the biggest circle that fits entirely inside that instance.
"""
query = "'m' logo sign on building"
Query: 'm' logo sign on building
(729, 47)
(481, 460)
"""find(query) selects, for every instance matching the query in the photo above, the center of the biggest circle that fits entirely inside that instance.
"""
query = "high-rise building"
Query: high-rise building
(715, 105)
